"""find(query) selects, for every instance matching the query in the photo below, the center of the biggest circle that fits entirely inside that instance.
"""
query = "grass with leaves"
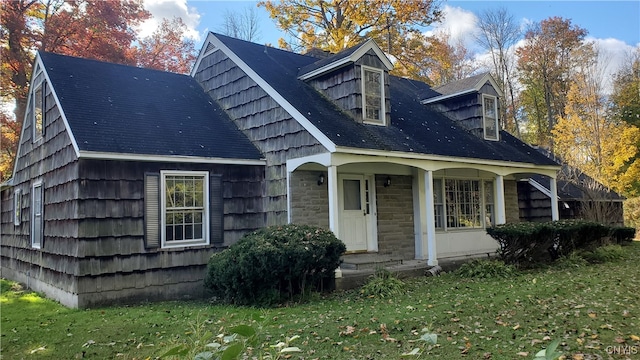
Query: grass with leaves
(587, 310)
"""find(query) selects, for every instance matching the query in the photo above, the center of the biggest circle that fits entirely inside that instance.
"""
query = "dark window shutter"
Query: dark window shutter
(152, 210)
(216, 209)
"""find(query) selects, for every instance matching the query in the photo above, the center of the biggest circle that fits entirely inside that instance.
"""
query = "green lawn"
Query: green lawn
(589, 308)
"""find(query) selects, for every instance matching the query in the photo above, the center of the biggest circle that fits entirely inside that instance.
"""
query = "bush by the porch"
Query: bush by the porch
(274, 265)
(529, 244)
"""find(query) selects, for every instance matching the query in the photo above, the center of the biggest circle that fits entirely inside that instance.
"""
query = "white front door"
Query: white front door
(353, 212)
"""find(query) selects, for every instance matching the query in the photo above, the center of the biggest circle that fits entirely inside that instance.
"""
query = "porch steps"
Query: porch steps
(367, 261)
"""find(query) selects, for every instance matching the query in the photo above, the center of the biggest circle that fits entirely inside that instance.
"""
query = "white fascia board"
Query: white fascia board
(475, 88)
(323, 159)
(417, 156)
(297, 115)
(38, 63)
(542, 189)
(202, 54)
(355, 56)
(166, 158)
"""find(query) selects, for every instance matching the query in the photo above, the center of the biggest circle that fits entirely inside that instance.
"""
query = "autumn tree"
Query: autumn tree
(545, 62)
(583, 135)
(450, 60)
(339, 24)
(498, 33)
(102, 30)
(241, 24)
(167, 49)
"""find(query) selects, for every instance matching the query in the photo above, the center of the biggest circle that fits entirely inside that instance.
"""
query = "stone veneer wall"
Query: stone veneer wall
(395, 217)
(309, 201)
(511, 201)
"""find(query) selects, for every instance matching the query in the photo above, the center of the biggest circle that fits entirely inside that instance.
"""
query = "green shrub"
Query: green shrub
(382, 284)
(274, 264)
(531, 244)
(622, 235)
(571, 261)
(604, 254)
(486, 269)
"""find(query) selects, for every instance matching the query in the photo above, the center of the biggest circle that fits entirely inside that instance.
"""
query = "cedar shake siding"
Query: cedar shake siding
(102, 258)
(344, 86)
(270, 128)
(466, 110)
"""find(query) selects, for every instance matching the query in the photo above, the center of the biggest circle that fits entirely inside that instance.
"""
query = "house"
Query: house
(255, 136)
(579, 196)
(107, 154)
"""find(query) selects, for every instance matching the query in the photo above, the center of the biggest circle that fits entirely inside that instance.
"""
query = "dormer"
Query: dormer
(473, 103)
(357, 80)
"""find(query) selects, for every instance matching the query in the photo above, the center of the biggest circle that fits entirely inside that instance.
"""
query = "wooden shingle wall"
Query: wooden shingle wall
(344, 86)
(53, 161)
(113, 263)
(271, 129)
(466, 110)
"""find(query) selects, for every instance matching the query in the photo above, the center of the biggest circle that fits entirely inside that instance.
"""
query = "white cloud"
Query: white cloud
(612, 56)
(169, 9)
(458, 23)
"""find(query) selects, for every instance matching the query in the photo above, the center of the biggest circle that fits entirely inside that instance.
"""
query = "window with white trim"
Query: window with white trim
(37, 210)
(185, 208)
(462, 203)
(17, 207)
(38, 110)
(490, 117)
(373, 110)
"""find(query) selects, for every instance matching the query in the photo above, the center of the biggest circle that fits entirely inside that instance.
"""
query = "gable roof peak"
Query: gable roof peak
(463, 86)
(344, 57)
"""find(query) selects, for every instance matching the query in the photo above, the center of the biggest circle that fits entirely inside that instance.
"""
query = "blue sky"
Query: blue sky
(613, 25)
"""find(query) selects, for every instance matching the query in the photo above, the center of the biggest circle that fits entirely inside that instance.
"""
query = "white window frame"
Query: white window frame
(485, 118)
(17, 207)
(441, 209)
(36, 236)
(38, 135)
(205, 240)
(383, 115)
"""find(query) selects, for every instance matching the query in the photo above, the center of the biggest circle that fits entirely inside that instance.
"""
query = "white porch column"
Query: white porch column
(419, 214)
(431, 219)
(332, 178)
(555, 215)
(501, 217)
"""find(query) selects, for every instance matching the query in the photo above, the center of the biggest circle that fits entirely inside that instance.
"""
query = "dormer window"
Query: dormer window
(373, 111)
(38, 102)
(490, 117)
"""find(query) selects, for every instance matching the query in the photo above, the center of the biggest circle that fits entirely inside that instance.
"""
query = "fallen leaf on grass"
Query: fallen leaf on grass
(635, 338)
(41, 348)
(523, 353)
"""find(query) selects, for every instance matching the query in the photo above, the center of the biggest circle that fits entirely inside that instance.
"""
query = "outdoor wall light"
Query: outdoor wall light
(321, 179)
(387, 182)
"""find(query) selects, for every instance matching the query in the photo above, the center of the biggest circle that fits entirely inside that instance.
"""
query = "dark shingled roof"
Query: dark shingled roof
(459, 86)
(575, 185)
(330, 59)
(123, 109)
(414, 127)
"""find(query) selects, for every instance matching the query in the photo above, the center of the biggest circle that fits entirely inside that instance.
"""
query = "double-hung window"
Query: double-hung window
(373, 110)
(185, 208)
(490, 117)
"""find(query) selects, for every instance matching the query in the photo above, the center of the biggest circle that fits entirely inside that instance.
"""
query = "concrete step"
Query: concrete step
(356, 263)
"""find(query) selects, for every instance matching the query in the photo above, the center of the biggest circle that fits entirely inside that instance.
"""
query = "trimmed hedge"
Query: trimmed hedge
(529, 244)
(274, 264)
